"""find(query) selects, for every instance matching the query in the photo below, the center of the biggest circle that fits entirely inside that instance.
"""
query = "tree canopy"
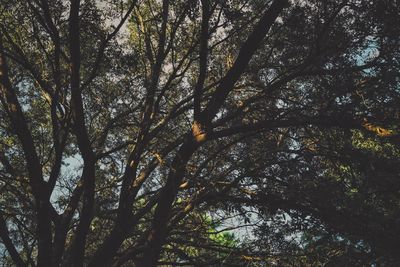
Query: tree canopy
(199, 133)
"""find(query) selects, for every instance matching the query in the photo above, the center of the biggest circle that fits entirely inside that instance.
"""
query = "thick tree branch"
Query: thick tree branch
(246, 52)
(88, 174)
(345, 122)
(204, 36)
(5, 237)
(39, 186)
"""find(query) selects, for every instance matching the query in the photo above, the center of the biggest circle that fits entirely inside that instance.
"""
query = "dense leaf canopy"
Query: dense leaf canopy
(200, 133)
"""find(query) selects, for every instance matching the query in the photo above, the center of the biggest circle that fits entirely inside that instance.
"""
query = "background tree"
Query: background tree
(199, 133)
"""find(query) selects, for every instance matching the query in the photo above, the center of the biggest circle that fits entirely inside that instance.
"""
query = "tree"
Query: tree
(199, 133)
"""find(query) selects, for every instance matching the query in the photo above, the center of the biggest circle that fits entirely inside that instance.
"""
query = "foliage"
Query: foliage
(199, 133)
